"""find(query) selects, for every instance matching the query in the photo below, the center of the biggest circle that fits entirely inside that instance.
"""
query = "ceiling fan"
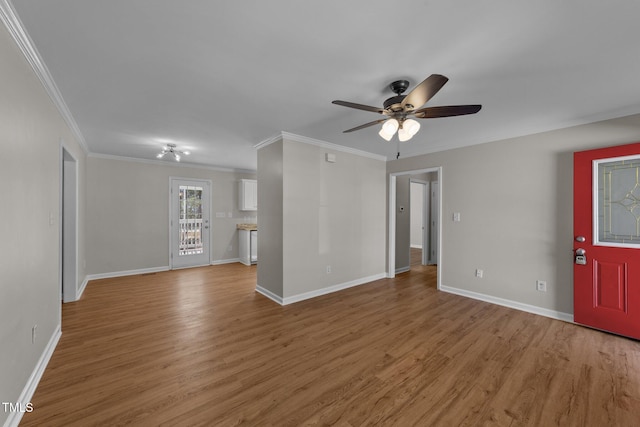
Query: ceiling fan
(400, 109)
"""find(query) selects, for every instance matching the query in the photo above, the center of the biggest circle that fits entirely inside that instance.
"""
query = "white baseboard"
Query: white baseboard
(126, 273)
(111, 275)
(565, 317)
(319, 292)
(334, 288)
(83, 286)
(267, 293)
(34, 379)
(402, 269)
(225, 261)
(416, 246)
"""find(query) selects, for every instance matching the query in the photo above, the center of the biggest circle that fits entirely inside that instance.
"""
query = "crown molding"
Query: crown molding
(328, 145)
(13, 24)
(277, 137)
(165, 163)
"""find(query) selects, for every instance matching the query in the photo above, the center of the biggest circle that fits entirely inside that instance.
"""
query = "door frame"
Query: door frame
(391, 224)
(68, 228)
(435, 216)
(209, 183)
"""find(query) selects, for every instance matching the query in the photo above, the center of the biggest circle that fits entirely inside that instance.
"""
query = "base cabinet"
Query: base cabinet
(248, 246)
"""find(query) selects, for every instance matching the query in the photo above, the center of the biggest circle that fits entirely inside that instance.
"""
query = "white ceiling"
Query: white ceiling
(219, 77)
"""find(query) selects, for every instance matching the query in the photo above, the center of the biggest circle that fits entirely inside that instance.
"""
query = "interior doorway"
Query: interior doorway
(69, 229)
(399, 251)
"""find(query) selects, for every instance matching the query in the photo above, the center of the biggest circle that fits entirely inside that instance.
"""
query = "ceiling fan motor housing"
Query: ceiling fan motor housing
(393, 103)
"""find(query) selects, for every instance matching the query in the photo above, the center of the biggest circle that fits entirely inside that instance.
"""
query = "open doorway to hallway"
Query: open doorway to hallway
(414, 221)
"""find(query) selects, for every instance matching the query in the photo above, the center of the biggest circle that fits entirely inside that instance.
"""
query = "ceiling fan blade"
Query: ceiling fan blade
(423, 92)
(359, 106)
(446, 111)
(366, 125)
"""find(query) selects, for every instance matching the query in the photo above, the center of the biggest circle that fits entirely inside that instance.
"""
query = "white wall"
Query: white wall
(31, 133)
(333, 215)
(128, 213)
(270, 221)
(515, 200)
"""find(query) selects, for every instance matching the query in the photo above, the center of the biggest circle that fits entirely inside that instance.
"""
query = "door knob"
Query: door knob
(580, 239)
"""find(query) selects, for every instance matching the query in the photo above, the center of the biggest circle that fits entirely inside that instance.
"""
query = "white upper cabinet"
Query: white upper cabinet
(248, 197)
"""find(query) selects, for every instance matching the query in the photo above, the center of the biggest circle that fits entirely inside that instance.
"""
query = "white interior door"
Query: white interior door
(426, 229)
(419, 209)
(190, 222)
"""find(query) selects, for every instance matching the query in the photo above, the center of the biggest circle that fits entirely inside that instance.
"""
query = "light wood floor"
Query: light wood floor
(201, 347)
(415, 258)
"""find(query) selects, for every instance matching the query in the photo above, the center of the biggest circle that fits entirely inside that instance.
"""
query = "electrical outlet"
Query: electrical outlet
(479, 273)
(541, 286)
(33, 334)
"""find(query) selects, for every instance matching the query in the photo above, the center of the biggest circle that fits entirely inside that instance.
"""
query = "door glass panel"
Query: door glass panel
(190, 237)
(618, 193)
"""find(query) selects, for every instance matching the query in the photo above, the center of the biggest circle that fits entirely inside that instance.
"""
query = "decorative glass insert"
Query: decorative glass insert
(190, 220)
(619, 201)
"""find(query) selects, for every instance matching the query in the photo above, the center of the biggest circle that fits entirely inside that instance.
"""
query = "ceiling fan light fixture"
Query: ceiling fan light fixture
(391, 126)
(404, 135)
(411, 126)
(386, 136)
(389, 129)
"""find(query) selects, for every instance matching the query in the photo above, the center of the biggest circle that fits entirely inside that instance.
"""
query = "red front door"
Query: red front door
(606, 225)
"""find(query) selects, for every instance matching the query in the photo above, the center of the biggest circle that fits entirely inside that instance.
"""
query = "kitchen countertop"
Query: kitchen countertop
(249, 227)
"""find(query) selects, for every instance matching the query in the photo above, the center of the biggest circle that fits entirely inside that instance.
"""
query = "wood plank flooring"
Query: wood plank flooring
(201, 347)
